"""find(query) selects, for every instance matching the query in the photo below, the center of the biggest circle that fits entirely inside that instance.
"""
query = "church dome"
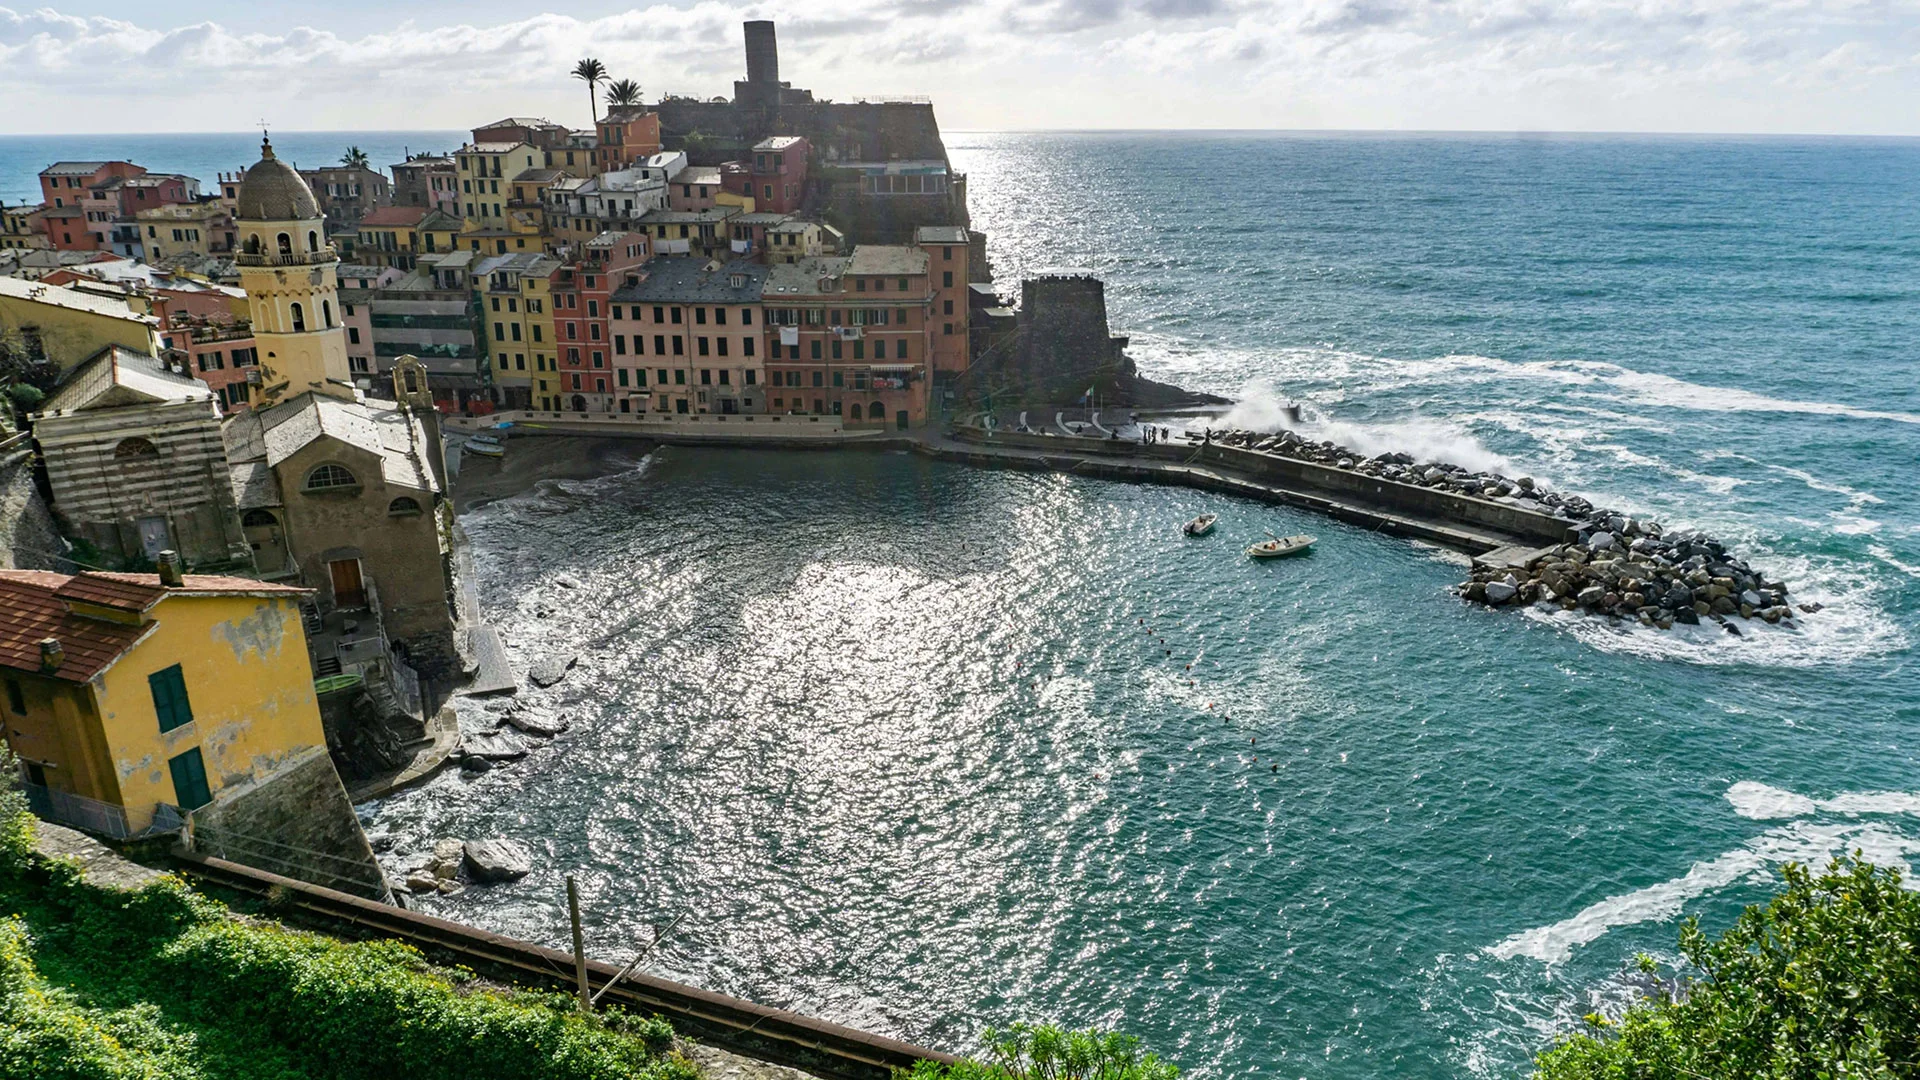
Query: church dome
(274, 191)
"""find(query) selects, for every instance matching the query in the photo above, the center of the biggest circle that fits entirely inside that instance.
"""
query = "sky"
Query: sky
(1748, 66)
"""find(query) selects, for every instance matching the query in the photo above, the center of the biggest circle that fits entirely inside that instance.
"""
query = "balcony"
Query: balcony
(100, 818)
(322, 257)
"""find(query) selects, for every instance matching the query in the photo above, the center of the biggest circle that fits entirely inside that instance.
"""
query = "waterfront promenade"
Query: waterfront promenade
(1473, 526)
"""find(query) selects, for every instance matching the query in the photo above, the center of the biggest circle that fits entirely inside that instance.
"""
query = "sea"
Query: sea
(927, 750)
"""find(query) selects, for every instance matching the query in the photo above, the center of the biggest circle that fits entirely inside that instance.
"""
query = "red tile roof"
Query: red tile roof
(34, 605)
(29, 611)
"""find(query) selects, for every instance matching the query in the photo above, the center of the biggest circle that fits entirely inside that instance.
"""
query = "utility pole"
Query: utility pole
(579, 946)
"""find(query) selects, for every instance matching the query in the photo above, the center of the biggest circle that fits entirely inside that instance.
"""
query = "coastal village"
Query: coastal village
(236, 599)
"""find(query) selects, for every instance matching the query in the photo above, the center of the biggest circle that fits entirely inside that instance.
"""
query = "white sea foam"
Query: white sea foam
(1800, 842)
(1886, 556)
(1262, 408)
(1752, 799)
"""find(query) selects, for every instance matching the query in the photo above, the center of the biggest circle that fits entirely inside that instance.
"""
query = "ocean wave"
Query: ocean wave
(1761, 802)
(1799, 842)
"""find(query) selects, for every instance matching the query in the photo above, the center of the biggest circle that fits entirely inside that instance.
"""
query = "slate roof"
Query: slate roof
(940, 234)
(698, 174)
(73, 299)
(34, 606)
(277, 433)
(802, 278)
(274, 191)
(116, 368)
(74, 168)
(394, 215)
(761, 217)
(689, 217)
(776, 143)
(688, 281)
(887, 259)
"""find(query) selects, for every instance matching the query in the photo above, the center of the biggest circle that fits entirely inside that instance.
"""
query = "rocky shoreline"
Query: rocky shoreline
(1617, 566)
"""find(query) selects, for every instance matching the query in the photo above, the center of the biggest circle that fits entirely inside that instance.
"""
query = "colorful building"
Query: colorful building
(129, 693)
(629, 134)
(693, 188)
(203, 228)
(849, 337)
(70, 326)
(594, 369)
(690, 335)
(426, 181)
(20, 227)
(949, 255)
(779, 173)
(486, 171)
(517, 314)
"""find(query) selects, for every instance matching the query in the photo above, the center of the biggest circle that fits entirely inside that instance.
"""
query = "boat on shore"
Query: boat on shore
(1201, 525)
(1279, 547)
(485, 446)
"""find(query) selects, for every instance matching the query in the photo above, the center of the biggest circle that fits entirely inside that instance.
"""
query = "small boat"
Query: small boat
(1280, 547)
(485, 446)
(1201, 525)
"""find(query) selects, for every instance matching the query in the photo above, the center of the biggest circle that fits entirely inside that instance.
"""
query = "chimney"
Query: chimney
(168, 562)
(51, 655)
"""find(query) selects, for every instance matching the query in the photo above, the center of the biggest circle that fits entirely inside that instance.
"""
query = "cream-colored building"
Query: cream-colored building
(200, 228)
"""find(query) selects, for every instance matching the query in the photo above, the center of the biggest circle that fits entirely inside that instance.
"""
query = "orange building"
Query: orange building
(948, 254)
(852, 337)
(629, 135)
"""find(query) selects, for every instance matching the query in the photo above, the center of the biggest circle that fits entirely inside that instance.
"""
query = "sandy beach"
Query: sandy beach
(533, 458)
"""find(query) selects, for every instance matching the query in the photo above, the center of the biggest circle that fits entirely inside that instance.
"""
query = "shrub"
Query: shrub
(1823, 981)
(46, 1034)
(1048, 1052)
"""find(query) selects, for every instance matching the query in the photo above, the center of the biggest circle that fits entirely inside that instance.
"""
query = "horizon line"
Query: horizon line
(1514, 132)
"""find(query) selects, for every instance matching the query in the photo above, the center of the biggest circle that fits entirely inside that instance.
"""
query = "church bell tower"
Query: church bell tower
(289, 272)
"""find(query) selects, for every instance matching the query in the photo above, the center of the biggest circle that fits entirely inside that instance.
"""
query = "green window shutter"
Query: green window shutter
(190, 780)
(170, 698)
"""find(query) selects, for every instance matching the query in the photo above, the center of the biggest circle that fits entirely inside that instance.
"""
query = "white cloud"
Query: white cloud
(1819, 65)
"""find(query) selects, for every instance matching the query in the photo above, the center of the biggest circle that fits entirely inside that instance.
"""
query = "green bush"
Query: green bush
(1048, 1052)
(163, 982)
(1824, 981)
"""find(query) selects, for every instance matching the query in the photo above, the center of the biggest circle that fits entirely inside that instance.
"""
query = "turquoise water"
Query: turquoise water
(919, 749)
(202, 156)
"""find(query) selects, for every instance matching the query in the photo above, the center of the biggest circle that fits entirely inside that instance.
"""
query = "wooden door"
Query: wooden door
(348, 591)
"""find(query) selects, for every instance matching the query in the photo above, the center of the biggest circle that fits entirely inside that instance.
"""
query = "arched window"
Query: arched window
(299, 319)
(313, 240)
(135, 447)
(330, 475)
(877, 411)
(257, 519)
(326, 313)
(403, 507)
(286, 244)
(253, 245)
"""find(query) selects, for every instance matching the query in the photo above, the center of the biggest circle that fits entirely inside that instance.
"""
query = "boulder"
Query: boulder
(494, 747)
(1591, 595)
(1499, 592)
(552, 669)
(1600, 541)
(474, 763)
(533, 723)
(498, 860)
(1751, 599)
(445, 861)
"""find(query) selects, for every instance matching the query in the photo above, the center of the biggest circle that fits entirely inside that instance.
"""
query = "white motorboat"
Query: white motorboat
(1281, 546)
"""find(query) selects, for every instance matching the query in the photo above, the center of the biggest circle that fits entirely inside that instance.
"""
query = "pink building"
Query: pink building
(592, 378)
(778, 179)
(694, 188)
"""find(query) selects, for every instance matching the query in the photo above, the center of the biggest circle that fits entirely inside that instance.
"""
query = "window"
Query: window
(679, 348)
(700, 344)
(659, 314)
(746, 346)
(330, 476)
(903, 283)
(947, 310)
(746, 318)
(496, 306)
(135, 447)
(169, 687)
(676, 314)
(299, 319)
(622, 373)
(353, 335)
(706, 376)
(326, 312)
(817, 379)
(190, 780)
(839, 379)
(680, 377)
(403, 506)
(816, 349)
(946, 254)
(946, 279)
(16, 698)
(860, 284)
(619, 344)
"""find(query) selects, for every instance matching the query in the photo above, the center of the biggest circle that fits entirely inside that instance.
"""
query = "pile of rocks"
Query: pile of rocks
(1406, 469)
(1628, 569)
(452, 863)
(1619, 567)
(515, 722)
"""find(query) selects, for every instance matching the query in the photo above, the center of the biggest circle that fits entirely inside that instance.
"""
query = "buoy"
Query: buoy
(1274, 768)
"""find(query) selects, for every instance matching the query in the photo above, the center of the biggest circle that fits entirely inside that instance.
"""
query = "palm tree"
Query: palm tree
(354, 158)
(624, 92)
(593, 72)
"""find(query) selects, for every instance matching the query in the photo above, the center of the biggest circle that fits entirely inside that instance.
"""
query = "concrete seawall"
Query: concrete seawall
(1470, 525)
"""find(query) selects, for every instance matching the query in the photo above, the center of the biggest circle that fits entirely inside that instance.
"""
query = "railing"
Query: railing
(101, 818)
(298, 258)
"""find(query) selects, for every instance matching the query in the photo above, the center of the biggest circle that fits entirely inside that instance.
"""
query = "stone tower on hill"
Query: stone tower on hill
(288, 270)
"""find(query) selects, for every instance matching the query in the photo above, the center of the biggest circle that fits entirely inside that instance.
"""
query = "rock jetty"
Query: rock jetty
(1617, 566)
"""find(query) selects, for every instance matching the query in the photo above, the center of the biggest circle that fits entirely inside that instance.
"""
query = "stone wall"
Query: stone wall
(295, 822)
(28, 538)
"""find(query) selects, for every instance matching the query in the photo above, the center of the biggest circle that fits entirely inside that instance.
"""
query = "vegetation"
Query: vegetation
(593, 72)
(1824, 981)
(99, 984)
(26, 377)
(623, 92)
(354, 158)
(1047, 1052)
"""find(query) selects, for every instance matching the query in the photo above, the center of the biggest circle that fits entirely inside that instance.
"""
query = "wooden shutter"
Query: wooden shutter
(190, 780)
(170, 704)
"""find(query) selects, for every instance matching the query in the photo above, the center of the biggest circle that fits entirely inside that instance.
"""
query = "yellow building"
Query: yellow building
(71, 326)
(204, 228)
(124, 694)
(16, 228)
(516, 308)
